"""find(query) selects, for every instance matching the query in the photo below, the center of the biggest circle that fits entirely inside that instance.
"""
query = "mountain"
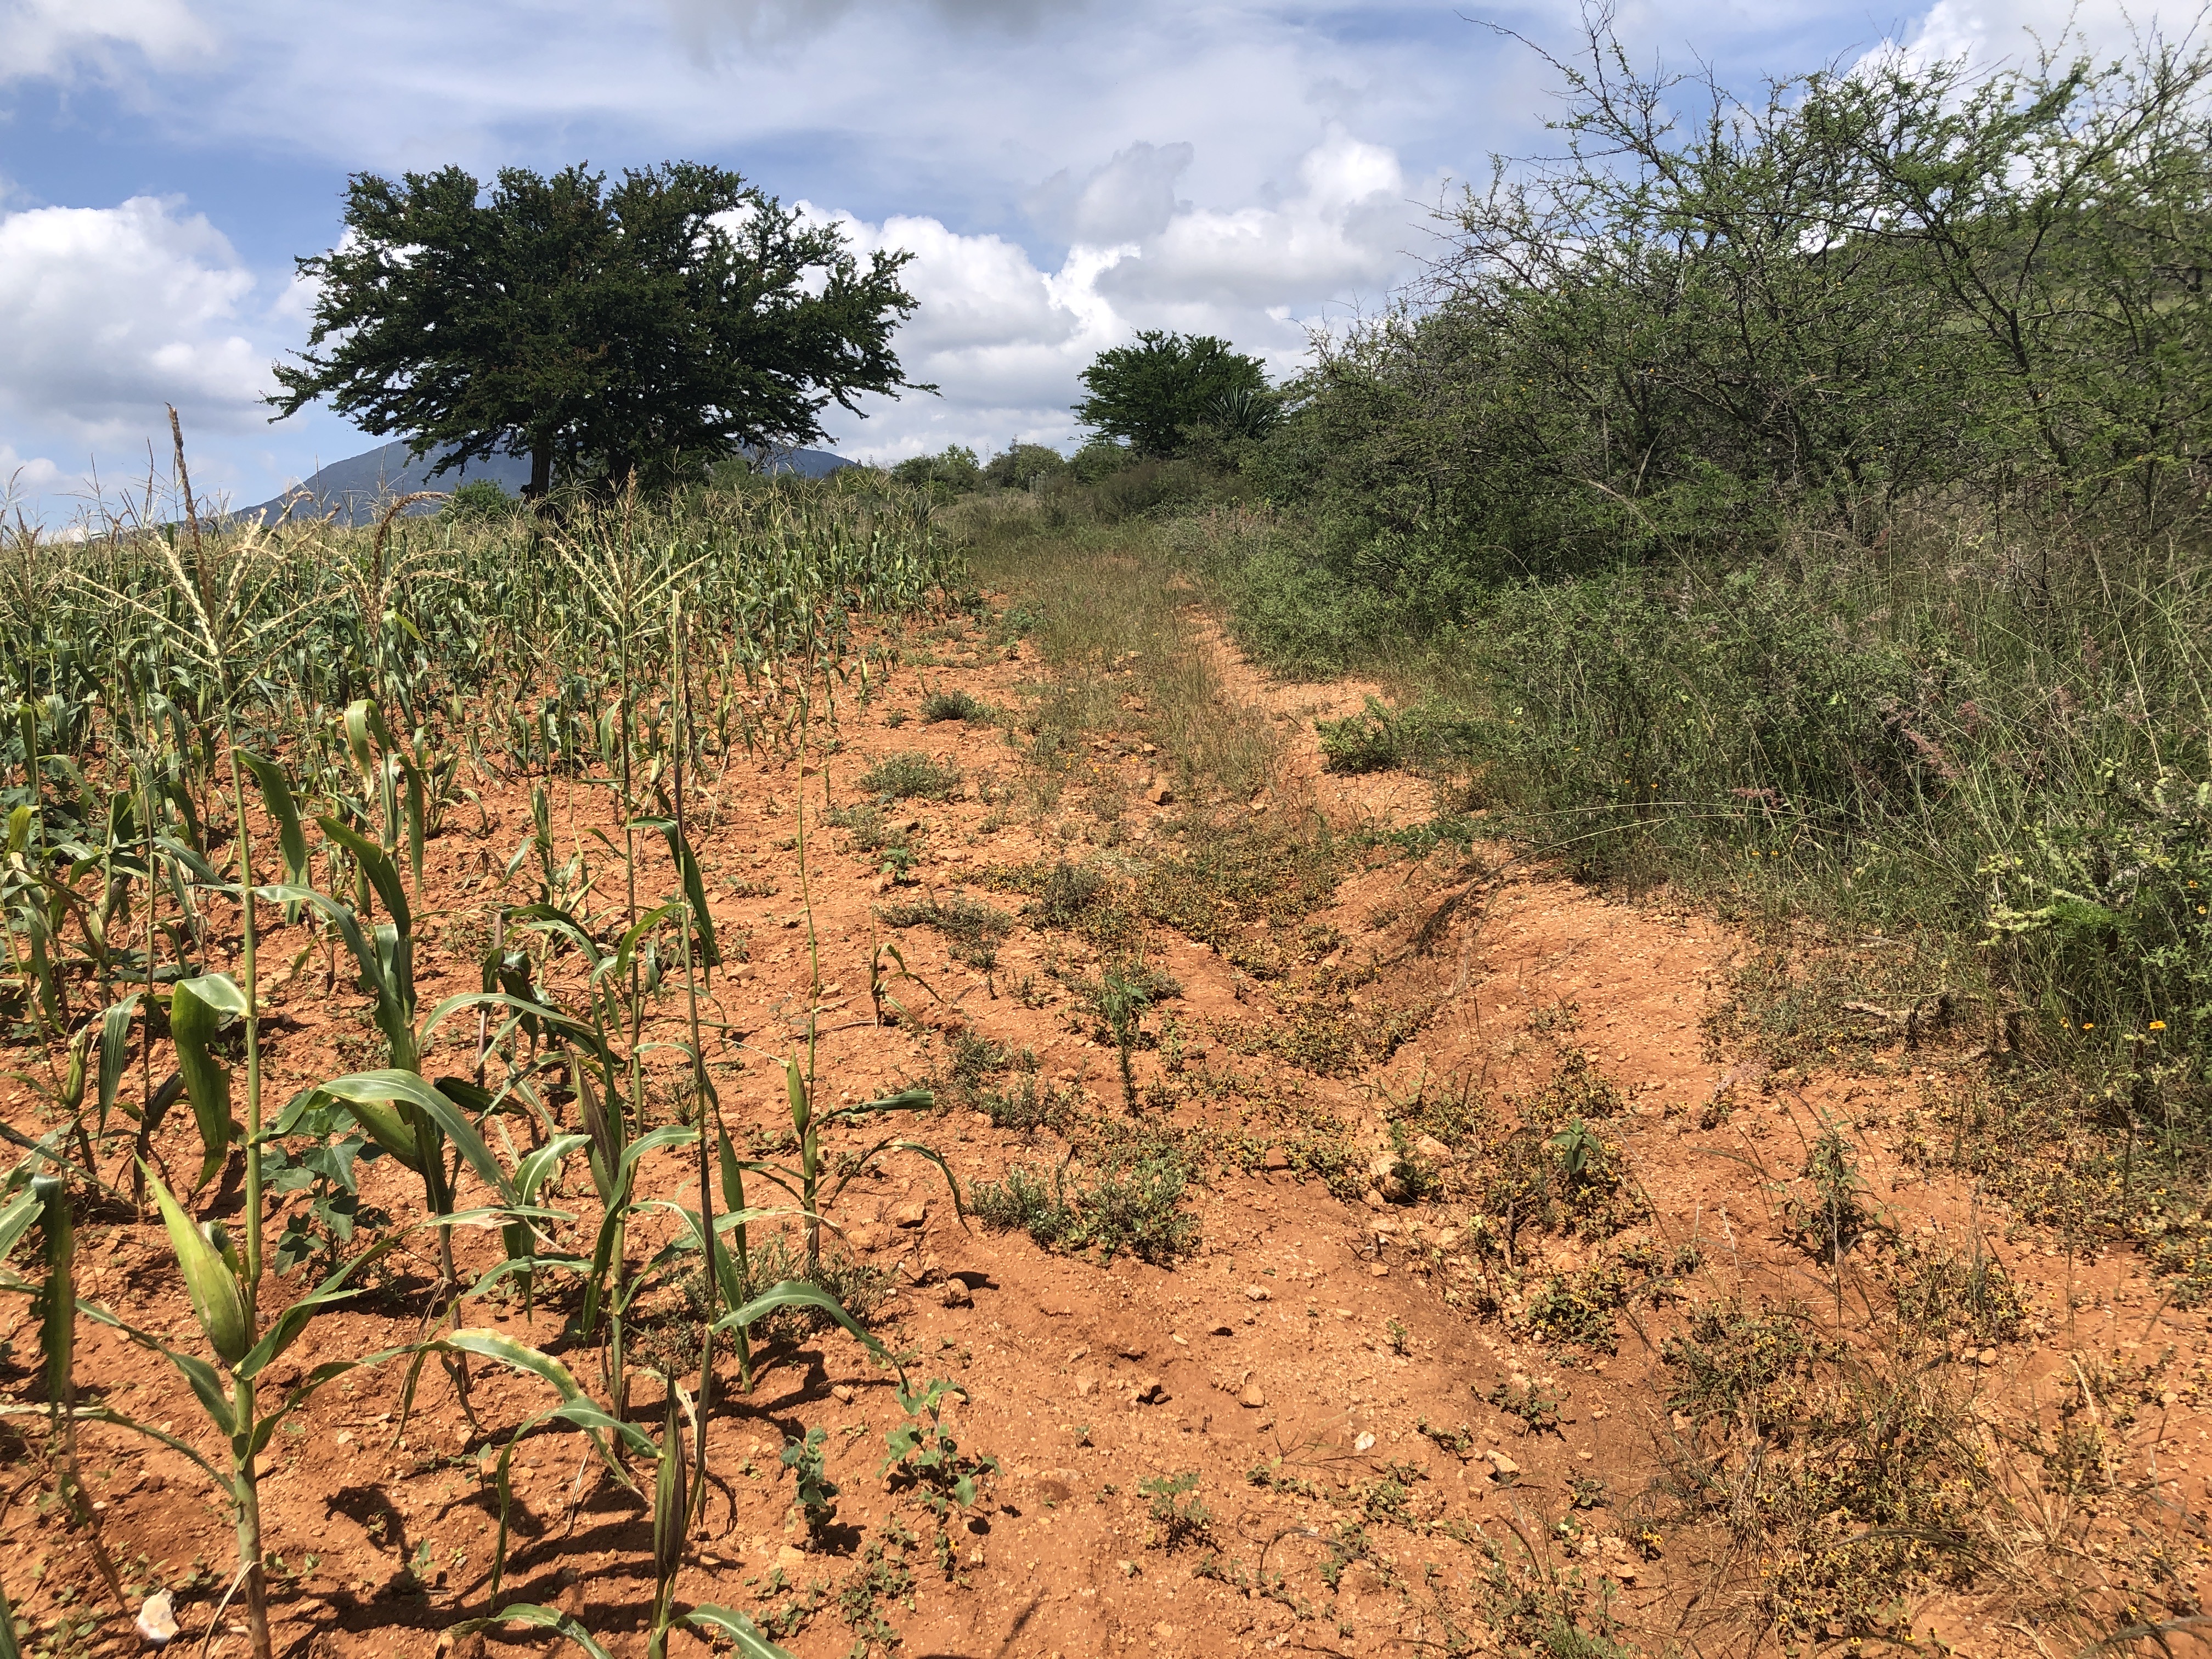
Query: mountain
(359, 487)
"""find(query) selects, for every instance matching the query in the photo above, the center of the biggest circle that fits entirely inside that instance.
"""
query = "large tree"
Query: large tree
(1167, 391)
(635, 329)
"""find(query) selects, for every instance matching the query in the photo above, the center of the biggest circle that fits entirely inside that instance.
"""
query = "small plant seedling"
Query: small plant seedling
(924, 1455)
(1182, 1517)
(1536, 1407)
(818, 1493)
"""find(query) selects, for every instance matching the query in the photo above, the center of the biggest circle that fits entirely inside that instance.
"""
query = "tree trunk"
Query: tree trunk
(541, 470)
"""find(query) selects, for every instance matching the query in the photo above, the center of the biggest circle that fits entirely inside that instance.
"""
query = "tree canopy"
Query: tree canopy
(1167, 391)
(636, 330)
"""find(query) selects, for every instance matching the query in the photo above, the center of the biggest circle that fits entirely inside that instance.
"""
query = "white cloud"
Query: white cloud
(54, 37)
(107, 313)
(1006, 339)
(1987, 32)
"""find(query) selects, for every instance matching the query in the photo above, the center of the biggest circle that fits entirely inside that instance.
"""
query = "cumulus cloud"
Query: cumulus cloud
(1133, 195)
(1989, 31)
(55, 37)
(105, 314)
(1006, 338)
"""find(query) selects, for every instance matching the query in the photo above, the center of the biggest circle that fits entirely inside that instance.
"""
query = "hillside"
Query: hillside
(356, 485)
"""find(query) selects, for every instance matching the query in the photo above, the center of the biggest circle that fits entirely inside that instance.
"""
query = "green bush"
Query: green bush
(956, 705)
(910, 774)
(478, 501)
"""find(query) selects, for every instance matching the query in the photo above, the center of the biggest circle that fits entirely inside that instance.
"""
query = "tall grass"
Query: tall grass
(1978, 751)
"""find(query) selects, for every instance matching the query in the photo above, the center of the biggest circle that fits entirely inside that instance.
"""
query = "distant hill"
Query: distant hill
(358, 486)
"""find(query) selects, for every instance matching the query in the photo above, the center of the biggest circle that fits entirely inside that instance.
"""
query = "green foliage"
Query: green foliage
(816, 1495)
(646, 328)
(956, 705)
(925, 1458)
(1180, 1516)
(953, 473)
(911, 774)
(478, 501)
(1168, 391)
(1026, 466)
(1134, 1206)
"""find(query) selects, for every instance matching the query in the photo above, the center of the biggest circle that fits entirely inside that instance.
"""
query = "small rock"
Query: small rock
(157, 1620)
(1151, 1391)
(1159, 794)
(1259, 1293)
(1371, 1199)
(1502, 1467)
(1381, 1270)
(865, 1237)
(843, 1394)
(910, 1215)
(956, 1295)
(1365, 1442)
(1163, 1632)
(1085, 1387)
(1432, 1149)
(1683, 1423)
(1128, 1569)
(790, 1560)
(1252, 1399)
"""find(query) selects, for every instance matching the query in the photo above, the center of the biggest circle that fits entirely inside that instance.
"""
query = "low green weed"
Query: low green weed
(911, 774)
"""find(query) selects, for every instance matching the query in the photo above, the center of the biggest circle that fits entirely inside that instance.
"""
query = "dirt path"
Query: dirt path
(1466, 1165)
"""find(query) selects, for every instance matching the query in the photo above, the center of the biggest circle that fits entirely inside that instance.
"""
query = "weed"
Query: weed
(1180, 1516)
(816, 1497)
(1836, 1216)
(1577, 1308)
(1458, 1441)
(957, 705)
(1134, 1206)
(911, 774)
(1533, 1402)
(975, 930)
(1943, 1296)
(925, 1458)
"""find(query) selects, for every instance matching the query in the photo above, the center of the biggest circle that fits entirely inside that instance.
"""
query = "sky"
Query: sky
(1066, 172)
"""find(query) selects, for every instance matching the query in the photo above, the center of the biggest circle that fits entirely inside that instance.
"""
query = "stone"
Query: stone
(956, 1295)
(790, 1560)
(1252, 1399)
(1502, 1467)
(157, 1620)
(1259, 1293)
(1432, 1149)
(1151, 1391)
(1158, 793)
(1085, 1387)
(842, 1393)
(865, 1237)
(910, 1215)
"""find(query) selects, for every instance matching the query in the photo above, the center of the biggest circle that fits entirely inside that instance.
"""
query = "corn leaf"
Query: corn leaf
(382, 874)
(740, 1629)
(115, 1053)
(217, 1303)
(377, 1088)
(196, 1007)
(540, 1618)
(276, 796)
(57, 1301)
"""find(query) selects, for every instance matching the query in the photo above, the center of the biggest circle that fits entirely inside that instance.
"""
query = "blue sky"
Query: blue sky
(1065, 170)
